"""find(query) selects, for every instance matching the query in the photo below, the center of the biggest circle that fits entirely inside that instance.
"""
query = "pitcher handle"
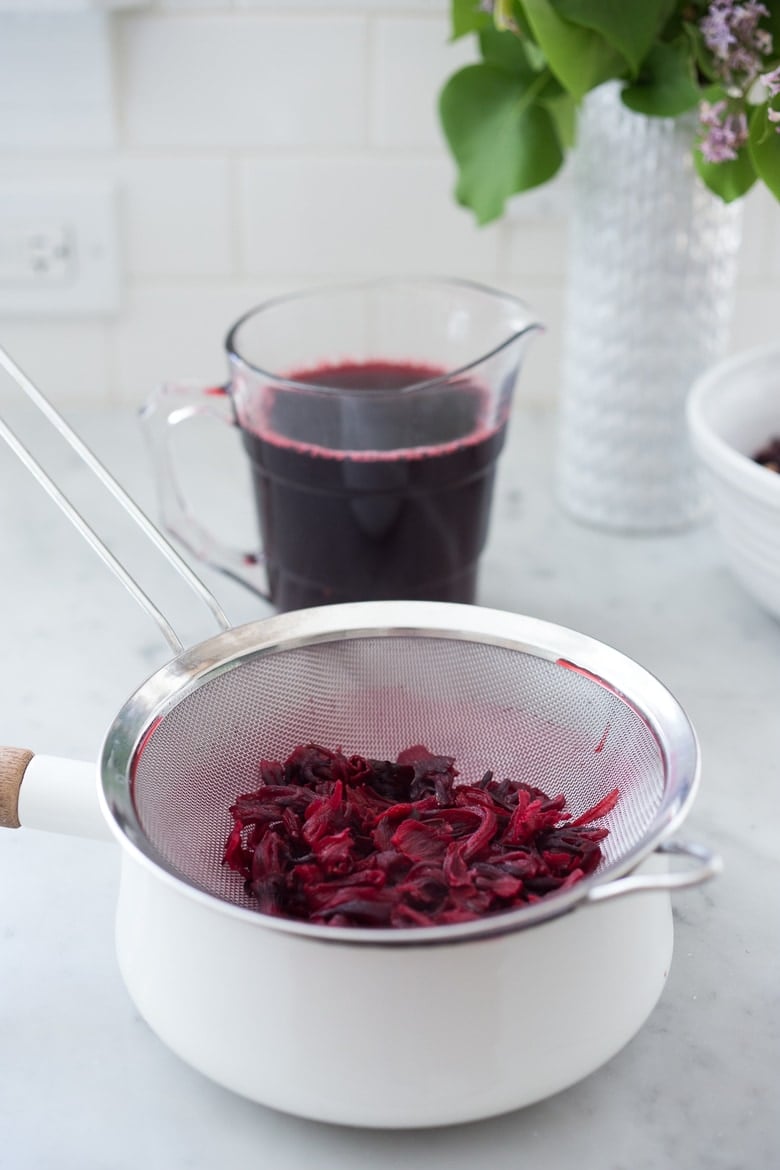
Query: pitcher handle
(171, 405)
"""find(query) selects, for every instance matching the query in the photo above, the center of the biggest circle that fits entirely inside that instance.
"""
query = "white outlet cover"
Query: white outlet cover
(85, 214)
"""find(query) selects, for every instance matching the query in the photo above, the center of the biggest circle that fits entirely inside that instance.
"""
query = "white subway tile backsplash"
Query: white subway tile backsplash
(755, 316)
(358, 215)
(412, 58)
(242, 80)
(55, 81)
(759, 254)
(535, 247)
(260, 146)
(69, 360)
(195, 5)
(175, 212)
(168, 333)
(423, 6)
(540, 377)
(177, 216)
(171, 332)
(550, 200)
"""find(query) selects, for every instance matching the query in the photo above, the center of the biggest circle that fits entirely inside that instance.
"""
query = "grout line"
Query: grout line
(115, 82)
(503, 243)
(294, 11)
(113, 390)
(369, 86)
(235, 214)
(128, 151)
(247, 280)
(319, 152)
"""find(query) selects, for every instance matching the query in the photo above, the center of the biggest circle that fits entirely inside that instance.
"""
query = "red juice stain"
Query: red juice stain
(600, 745)
(139, 751)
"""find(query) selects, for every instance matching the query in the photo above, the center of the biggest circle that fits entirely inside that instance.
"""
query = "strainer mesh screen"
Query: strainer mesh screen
(488, 706)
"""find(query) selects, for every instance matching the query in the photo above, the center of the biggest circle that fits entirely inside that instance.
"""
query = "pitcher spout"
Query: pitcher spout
(527, 334)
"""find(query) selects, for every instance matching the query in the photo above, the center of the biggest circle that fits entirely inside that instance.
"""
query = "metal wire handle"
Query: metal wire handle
(162, 545)
(709, 866)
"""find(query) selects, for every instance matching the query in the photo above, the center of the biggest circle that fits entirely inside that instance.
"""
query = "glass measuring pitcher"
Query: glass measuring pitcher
(372, 415)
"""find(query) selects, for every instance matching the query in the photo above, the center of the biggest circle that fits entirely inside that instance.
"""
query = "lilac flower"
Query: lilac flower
(762, 39)
(771, 82)
(739, 49)
(711, 114)
(732, 35)
(726, 132)
(716, 29)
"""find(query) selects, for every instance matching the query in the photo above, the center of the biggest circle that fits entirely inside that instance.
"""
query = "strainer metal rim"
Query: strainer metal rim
(659, 710)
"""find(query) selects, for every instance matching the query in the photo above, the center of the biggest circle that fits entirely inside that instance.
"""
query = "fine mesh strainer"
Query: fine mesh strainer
(524, 698)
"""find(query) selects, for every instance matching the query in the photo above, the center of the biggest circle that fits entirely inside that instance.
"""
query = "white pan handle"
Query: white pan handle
(50, 793)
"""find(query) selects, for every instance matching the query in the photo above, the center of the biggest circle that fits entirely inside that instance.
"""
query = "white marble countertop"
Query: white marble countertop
(84, 1085)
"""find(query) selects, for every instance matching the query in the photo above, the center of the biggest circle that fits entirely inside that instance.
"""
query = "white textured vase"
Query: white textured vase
(652, 268)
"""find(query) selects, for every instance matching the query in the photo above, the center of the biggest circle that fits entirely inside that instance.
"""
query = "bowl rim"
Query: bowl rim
(721, 457)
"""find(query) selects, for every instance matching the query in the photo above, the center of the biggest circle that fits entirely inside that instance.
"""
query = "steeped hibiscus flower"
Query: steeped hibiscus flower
(352, 841)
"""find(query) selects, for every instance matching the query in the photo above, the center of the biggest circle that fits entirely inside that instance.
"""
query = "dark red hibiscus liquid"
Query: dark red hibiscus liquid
(373, 495)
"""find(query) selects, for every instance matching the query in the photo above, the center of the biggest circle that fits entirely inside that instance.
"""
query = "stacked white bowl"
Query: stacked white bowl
(733, 412)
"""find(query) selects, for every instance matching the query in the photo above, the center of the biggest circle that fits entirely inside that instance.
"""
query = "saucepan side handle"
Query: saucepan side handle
(707, 865)
(50, 793)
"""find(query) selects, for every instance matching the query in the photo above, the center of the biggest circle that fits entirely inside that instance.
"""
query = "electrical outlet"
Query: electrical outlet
(36, 255)
(58, 250)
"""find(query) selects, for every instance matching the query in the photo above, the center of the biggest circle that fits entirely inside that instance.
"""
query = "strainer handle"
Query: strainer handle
(41, 402)
(172, 404)
(709, 866)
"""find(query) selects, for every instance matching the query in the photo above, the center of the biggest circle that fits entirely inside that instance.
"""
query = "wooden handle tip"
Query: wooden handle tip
(13, 765)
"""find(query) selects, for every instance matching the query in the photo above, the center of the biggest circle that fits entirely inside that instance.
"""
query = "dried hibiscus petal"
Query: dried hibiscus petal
(353, 841)
(599, 810)
(420, 841)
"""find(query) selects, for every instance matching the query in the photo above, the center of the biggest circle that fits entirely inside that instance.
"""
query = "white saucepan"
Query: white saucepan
(379, 1027)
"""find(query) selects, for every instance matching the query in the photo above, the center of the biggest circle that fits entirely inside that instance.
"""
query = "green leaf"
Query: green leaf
(629, 28)
(509, 52)
(502, 140)
(729, 180)
(579, 57)
(734, 177)
(521, 20)
(772, 24)
(764, 147)
(536, 57)
(666, 84)
(702, 57)
(505, 49)
(563, 111)
(467, 17)
(504, 14)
